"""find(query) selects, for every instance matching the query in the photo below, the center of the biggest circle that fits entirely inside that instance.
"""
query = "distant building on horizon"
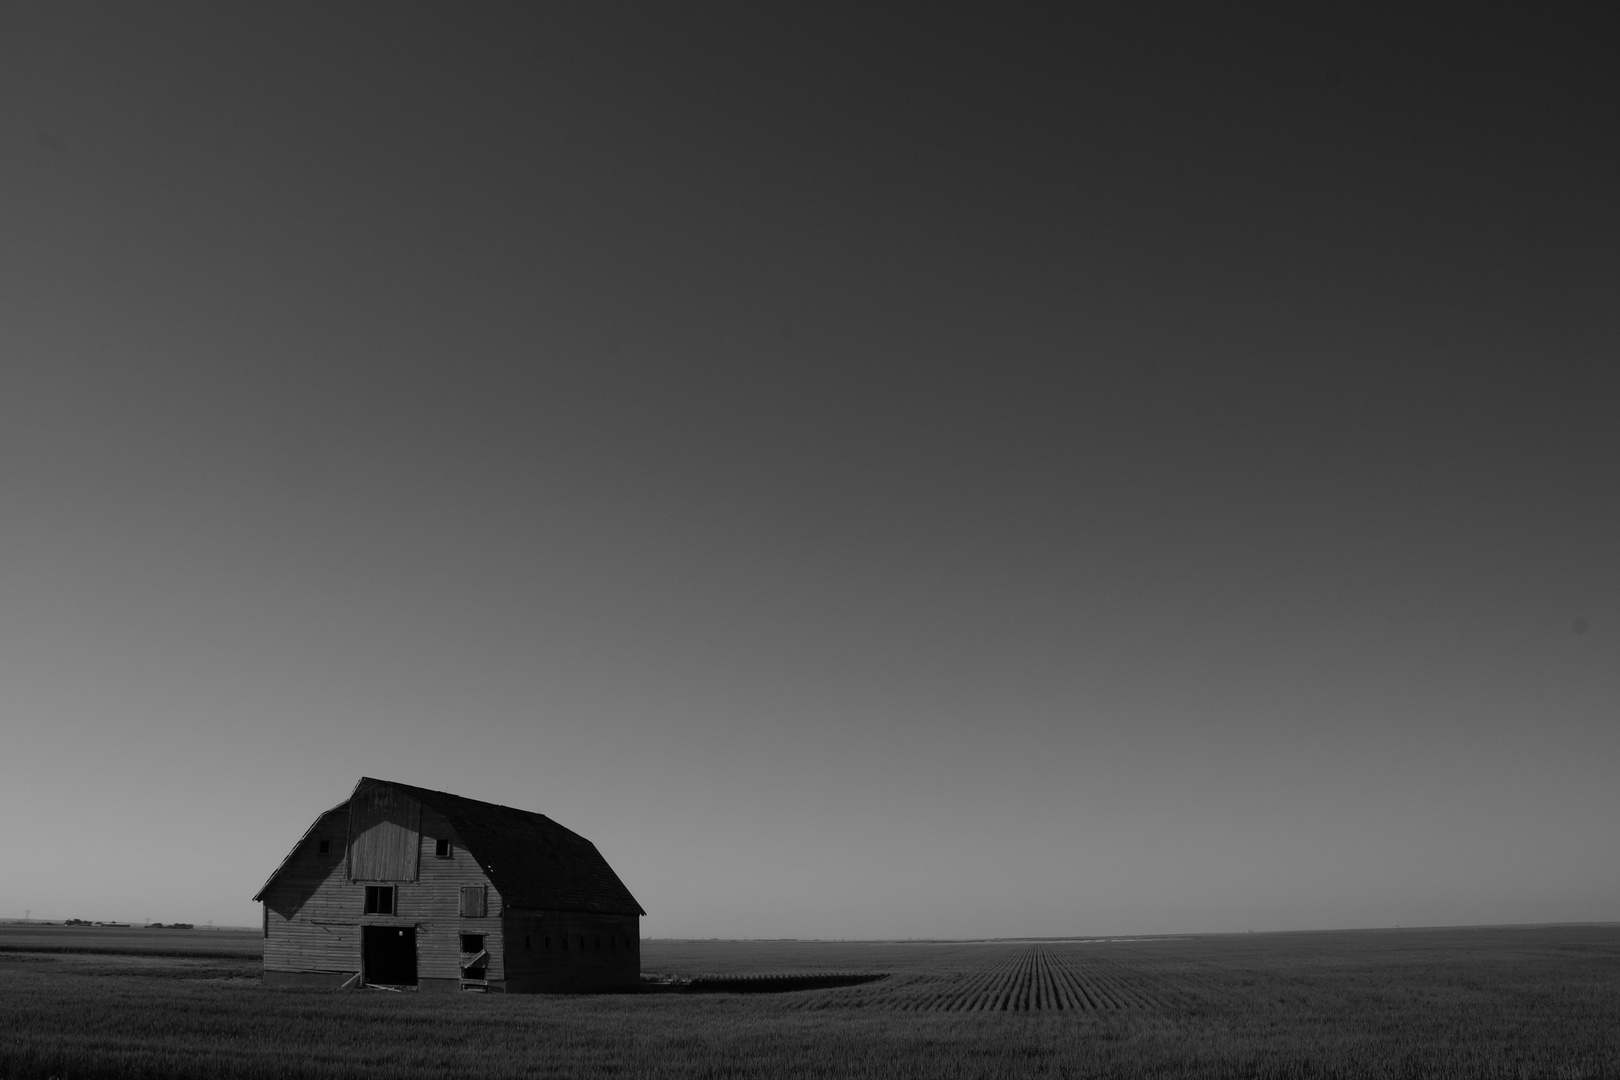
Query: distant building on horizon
(402, 886)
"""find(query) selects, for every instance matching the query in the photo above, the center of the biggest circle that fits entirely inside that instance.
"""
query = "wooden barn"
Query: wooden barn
(401, 886)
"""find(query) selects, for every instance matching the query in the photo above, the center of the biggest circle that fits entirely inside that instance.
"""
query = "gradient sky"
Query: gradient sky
(940, 473)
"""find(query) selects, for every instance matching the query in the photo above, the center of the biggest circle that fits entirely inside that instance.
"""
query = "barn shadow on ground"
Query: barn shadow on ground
(755, 984)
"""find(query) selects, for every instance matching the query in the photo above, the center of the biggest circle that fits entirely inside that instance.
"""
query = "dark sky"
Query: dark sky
(920, 473)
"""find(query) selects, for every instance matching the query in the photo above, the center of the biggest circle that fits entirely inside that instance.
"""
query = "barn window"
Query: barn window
(324, 847)
(474, 903)
(379, 899)
(441, 849)
(471, 943)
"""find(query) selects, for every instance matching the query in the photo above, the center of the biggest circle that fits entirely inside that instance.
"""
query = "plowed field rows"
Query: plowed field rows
(1033, 978)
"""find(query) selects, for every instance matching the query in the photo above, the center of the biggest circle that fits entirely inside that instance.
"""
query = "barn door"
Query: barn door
(388, 954)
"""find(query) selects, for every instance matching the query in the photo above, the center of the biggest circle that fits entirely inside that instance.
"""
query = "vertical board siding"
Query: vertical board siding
(385, 834)
(473, 903)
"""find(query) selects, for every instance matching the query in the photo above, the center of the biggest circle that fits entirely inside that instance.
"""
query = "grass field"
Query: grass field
(129, 940)
(1499, 1002)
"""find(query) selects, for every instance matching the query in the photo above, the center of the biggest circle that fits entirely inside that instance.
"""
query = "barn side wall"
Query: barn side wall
(572, 952)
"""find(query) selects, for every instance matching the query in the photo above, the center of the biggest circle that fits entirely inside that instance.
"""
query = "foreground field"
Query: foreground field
(1482, 1002)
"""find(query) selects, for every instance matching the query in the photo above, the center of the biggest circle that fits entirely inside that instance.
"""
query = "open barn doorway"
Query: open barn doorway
(388, 954)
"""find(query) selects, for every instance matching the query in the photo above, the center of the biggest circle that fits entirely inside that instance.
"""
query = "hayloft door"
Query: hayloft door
(388, 954)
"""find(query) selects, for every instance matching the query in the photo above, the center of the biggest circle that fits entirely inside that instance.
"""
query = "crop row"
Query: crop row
(1035, 979)
(1040, 978)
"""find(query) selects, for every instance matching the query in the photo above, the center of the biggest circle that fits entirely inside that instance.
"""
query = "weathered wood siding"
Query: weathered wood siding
(385, 834)
(437, 893)
(315, 909)
(571, 952)
(310, 922)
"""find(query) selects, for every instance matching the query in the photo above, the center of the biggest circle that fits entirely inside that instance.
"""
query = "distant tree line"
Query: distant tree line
(83, 922)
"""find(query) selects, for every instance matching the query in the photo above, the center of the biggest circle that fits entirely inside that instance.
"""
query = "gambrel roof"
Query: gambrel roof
(532, 861)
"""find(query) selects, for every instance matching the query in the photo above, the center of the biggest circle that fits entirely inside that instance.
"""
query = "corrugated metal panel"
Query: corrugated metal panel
(385, 833)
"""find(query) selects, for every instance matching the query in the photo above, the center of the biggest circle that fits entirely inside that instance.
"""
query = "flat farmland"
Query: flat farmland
(129, 940)
(1494, 1002)
(991, 976)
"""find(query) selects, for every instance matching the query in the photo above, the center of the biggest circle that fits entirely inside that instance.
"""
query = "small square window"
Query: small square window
(379, 900)
(472, 943)
(323, 847)
(442, 849)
